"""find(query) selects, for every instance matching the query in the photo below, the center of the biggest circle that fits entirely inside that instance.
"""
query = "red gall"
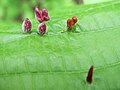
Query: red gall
(41, 15)
(38, 15)
(90, 75)
(42, 29)
(71, 23)
(27, 25)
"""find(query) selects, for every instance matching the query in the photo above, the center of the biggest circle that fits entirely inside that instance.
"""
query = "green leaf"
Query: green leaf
(60, 61)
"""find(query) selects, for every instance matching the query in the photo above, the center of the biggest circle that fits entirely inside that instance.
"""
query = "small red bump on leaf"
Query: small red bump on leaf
(74, 18)
(90, 75)
(68, 21)
(70, 24)
(42, 29)
(38, 15)
(45, 14)
(27, 25)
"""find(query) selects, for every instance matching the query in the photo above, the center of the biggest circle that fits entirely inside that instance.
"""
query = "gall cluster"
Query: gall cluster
(71, 23)
(41, 16)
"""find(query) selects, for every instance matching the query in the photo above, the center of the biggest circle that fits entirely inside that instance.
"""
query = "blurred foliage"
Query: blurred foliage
(95, 1)
(19, 9)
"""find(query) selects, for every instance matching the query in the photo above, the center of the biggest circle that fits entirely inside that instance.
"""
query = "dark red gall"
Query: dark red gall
(74, 18)
(90, 75)
(71, 23)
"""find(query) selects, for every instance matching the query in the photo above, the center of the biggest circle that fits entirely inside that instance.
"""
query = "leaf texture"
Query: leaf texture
(60, 61)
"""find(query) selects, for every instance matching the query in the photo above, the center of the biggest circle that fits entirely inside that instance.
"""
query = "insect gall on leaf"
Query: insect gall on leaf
(41, 29)
(74, 18)
(45, 14)
(71, 24)
(41, 15)
(27, 25)
(38, 15)
(90, 75)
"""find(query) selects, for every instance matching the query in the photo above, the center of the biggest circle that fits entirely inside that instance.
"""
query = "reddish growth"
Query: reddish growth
(71, 22)
(41, 15)
(27, 25)
(90, 74)
(42, 29)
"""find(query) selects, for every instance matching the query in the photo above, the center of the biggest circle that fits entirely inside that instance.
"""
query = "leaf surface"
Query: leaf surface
(60, 61)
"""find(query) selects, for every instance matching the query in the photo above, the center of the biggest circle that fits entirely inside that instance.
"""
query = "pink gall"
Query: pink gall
(27, 25)
(38, 15)
(42, 29)
(45, 14)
